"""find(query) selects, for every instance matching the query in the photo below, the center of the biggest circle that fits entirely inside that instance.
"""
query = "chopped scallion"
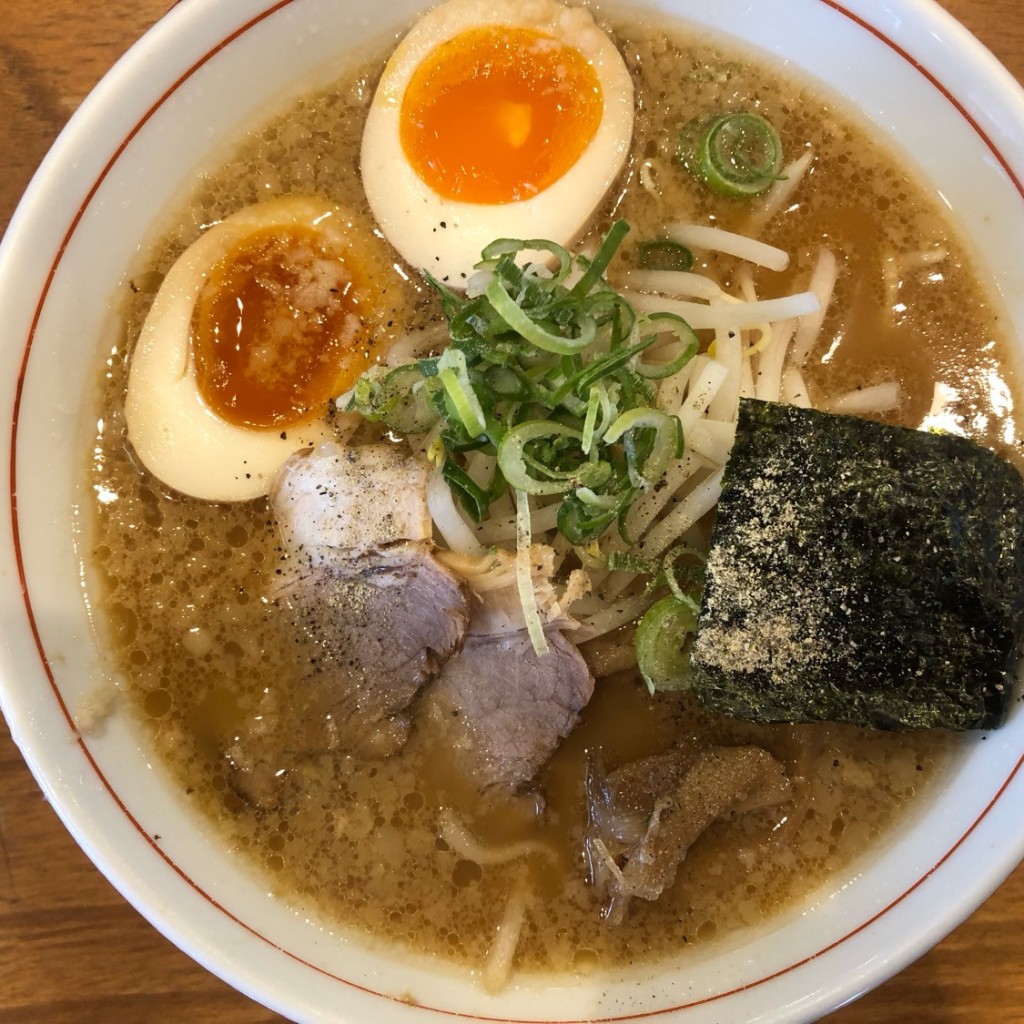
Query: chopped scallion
(662, 645)
(548, 379)
(524, 575)
(736, 154)
(662, 254)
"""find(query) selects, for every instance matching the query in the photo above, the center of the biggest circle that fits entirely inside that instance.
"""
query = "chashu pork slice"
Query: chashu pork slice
(375, 626)
(380, 613)
(501, 709)
(375, 615)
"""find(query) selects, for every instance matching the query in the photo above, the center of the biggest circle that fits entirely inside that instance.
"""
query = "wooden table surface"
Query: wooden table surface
(71, 949)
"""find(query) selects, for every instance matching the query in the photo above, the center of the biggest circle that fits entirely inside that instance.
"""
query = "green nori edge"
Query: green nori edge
(861, 573)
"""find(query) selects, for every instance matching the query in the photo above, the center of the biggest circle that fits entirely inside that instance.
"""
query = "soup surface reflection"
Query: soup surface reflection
(181, 585)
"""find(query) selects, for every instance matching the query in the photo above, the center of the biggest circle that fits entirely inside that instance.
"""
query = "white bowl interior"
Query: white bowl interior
(162, 114)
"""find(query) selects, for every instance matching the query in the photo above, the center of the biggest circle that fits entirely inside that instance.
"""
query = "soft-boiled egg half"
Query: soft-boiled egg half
(494, 119)
(265, 318)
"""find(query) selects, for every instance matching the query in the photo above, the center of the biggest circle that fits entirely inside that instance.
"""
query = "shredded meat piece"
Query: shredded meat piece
(644, 818)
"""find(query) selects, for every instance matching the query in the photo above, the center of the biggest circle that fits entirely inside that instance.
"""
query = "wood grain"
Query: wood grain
(71, 950)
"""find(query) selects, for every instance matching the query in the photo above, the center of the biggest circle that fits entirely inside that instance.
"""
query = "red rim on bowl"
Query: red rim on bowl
(30, 597)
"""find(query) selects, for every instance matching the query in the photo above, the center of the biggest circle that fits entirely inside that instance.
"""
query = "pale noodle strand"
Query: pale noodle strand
(648, 178)
(713, 440)
(891, 281)
(679, 284)
(822, 284)
(694, 506)
(768, 376)
(924, 258)
(498, 964)
(942, 413)
(646, 508)
(679, 478)
(705, 386)
(619, 613)
(731, 314)
(894, 267)
(670, 395)
(465, 845)
(877, 398)
(746, 376)
(455, 531)
(780, 193)
(700, 236)
(480, 468)
(794, 389)
(417, 343)
(745, 280)
(729, 352)
(497, 531)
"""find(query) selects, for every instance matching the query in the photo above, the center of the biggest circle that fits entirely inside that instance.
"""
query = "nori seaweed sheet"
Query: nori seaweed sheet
(861, 573)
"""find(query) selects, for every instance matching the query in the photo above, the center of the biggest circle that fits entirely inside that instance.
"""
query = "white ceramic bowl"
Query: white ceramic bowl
(202, 74)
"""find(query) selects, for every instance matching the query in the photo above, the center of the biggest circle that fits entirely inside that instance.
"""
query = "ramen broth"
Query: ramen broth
(181, 585)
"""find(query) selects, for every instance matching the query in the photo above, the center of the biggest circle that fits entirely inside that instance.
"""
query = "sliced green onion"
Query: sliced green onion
(574, 405)
(663, 641)
(586, 474)
(580, 523)
(366, 396)
(524, 575)
(512, 459)
(669, 323)
(605, 502)
(454, 375)
(396, 397)
(737, 155)
(590, 419)
(609, 407)
(628, 561)
(668, 440)
(671, 573)
(610, 309)
(604, 367)
(511, 246)
(663, 254)
(599, 264)
(537, 374)
(473, 498)
(506, 383)
(520, 321)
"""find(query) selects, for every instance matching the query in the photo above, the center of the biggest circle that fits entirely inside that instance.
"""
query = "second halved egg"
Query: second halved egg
(259, 324)
(494, 119)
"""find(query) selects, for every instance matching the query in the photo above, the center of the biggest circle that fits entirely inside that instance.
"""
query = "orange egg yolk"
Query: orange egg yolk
(498, 114)
(278, 329)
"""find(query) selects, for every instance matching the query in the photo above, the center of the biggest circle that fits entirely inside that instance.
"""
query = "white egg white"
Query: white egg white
(177, 436)
(411, 213)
